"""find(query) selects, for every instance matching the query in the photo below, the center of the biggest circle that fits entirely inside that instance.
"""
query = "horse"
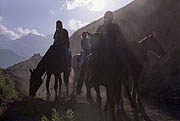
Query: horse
(95, 74)
(53, 62)
(149, 44)
(152, 37)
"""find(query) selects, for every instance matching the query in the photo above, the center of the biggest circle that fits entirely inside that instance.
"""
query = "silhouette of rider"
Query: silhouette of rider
(61, 36)
(85, 47)
(115, 42)
(61, 40)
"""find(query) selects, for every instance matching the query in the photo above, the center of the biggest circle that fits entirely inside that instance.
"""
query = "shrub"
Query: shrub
(56, 116)
(7, 89)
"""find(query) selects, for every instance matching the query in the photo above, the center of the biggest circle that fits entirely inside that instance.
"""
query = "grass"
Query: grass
(56, 116)
(7, 88)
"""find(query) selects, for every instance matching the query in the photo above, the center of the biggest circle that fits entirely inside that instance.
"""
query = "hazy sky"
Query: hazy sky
(21, 17)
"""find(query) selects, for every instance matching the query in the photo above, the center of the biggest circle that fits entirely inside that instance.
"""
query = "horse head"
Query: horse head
(35, 82)
(96, 40)
(151, 44)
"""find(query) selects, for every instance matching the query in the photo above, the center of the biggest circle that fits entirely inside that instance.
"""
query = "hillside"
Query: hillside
(8, 92)
(8, 58)
(139, 19)
(21, 70)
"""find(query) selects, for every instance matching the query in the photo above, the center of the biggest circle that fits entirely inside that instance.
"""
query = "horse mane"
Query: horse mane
(41, 68)
(42, 65)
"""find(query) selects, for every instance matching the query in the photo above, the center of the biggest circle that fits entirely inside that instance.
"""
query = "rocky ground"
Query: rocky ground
(32, 109)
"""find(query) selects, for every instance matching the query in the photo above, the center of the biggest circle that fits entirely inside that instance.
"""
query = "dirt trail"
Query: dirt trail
(32, 109)
(157, 112)
(86, 111)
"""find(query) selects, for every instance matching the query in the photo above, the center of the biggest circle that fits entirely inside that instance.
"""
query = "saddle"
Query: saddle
(59, 54)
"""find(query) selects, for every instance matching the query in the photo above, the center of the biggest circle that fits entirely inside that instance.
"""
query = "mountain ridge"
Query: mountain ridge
(8, 58)
(27, 45)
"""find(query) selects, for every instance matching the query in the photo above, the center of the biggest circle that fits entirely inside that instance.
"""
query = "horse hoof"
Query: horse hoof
(90, 100)
(48, 98)
(56, 99)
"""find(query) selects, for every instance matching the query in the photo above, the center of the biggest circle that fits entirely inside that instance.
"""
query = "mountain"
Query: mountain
(27, 45)
(140, 18)
(8, 58)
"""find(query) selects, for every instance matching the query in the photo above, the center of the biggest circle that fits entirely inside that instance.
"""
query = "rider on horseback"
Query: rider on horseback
(61, 40)
(61, 36)
(85, 47)
(115, 42)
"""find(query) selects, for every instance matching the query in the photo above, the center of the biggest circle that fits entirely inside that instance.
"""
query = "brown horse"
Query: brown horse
(95, 78)
(53, 62)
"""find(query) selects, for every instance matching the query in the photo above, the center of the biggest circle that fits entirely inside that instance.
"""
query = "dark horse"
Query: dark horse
(102, 69)
(53, 62)
(113, 75)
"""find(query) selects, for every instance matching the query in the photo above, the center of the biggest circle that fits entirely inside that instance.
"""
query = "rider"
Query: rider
(115, 41)
(61, 40)
(85, 47)
(61, 36)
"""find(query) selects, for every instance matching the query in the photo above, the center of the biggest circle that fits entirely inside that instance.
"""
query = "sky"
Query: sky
(21, 17)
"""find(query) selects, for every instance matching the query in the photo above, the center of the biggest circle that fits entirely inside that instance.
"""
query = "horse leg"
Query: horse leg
(66, 81)
(132, 102)
(56, 86)
(60, 83)
(75, 81)
(111, 104)
(88, 91)
(47, 86)
(120, 111)
(142, 110)
(81, 80)
(99, 100)
(140, 105)
(98, 95)
(137, 91)
(106, 106)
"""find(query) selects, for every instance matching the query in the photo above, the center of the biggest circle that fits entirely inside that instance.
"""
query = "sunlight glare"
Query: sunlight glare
(97, 5)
